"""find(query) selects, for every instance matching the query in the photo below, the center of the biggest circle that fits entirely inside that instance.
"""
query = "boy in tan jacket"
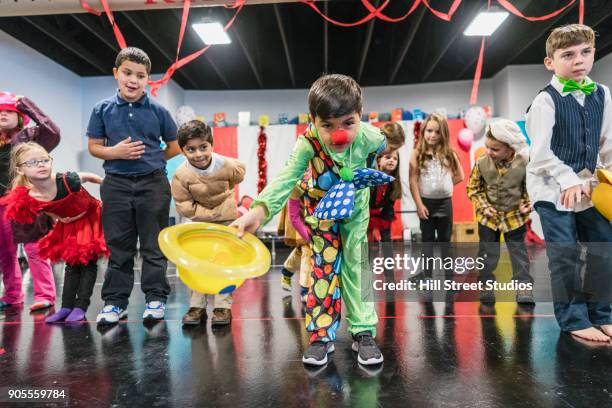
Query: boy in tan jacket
(203, 189)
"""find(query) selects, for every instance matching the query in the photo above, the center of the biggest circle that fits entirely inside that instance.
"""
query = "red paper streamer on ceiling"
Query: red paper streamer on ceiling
(477, 74)
(508, 6)
(262, 164)
(377, 12)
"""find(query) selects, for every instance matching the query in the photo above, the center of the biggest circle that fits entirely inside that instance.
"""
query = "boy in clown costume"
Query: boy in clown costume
(329, 159)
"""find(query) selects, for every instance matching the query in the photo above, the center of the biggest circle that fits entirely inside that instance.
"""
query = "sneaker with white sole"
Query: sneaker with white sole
(368, 352)
(111, 314)
(154, 310)
(316, 354)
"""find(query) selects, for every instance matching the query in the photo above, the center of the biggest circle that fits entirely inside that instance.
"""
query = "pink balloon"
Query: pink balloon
(465, 139)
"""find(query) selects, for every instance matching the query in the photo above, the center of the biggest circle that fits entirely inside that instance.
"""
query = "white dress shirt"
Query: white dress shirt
(547, 175)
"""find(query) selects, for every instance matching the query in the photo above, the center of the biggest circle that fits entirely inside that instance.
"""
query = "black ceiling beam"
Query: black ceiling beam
(325, 39)
(81, 20)
(247, 54)
(458, 31)
(407, 43)
(279, 22)
(197, 40)
(133, 19)
(72, 45)
(366, 45)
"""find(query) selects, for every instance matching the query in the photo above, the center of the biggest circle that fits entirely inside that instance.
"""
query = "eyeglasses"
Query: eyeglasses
(35, 163)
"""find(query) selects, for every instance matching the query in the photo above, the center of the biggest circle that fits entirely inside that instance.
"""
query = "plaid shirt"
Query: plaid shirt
(503, 221)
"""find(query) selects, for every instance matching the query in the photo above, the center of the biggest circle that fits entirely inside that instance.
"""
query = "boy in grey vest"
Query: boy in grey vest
(497, 190)
(569, 124)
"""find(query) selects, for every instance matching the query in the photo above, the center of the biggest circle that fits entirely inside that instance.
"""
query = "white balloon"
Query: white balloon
(184, 114)
(475, 119)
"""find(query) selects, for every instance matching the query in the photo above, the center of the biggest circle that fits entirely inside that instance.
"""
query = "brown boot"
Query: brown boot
(194, 316)
(221, 317)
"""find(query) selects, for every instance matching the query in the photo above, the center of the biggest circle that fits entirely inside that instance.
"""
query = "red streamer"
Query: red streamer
(262, 164)
(111, 19)
(477, 74)
(443, 16)
(310, 3)
(378, 13)
(155, 85)
(90, 9)
(508, 6)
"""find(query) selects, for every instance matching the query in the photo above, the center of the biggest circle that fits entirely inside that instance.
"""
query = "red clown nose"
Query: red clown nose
(340, 137)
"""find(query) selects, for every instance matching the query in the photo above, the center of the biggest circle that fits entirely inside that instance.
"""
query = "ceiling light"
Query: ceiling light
(211, 33)
(486, 22)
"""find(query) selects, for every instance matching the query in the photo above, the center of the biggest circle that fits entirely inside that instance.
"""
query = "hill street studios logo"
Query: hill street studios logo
(457, 265)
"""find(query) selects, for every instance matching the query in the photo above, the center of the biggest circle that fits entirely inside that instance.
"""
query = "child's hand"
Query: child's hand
(423, 212)
(571, 195)
(490, 212)
(525, 208)
(96, 179)
(128, 150)
(68, 220)
(250, 221)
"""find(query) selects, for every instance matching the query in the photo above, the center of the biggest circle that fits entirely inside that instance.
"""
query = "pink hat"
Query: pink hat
(8, 102)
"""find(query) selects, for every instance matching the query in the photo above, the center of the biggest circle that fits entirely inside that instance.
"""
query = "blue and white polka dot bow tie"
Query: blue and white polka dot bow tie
(339, 201)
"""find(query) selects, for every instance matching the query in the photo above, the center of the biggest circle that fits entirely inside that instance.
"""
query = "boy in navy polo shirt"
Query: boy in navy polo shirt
(125, 131)
(570, 126)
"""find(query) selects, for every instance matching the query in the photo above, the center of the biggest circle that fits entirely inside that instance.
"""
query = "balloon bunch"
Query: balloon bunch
(261, 159)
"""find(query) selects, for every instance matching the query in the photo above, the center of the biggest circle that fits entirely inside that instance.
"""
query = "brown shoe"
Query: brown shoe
(194, 316)
(221, 317)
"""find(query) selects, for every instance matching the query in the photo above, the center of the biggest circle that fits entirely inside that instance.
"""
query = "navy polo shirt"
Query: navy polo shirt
(115, 119)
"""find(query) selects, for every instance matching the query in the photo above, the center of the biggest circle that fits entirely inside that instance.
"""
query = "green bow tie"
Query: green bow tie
(569, 85)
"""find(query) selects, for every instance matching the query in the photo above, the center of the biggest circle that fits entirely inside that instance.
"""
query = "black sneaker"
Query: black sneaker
(317, 352)
(366, 348)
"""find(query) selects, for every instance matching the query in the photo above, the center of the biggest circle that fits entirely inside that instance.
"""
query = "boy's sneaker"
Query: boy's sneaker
(366, 348)
(111, 314)
(154, 310)
(316, 354)
(286, 283)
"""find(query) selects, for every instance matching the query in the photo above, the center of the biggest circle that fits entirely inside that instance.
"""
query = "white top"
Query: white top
(547, 175)
(435, 180)
(215, 164)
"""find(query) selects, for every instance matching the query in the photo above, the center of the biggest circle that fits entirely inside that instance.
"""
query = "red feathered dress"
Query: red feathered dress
(78, 242)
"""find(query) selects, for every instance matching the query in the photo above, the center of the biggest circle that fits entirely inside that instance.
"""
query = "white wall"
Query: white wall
(54, 89)
(427, 97)
(602, 71)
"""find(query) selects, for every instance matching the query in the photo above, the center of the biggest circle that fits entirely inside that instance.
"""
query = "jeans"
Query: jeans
(562, 231)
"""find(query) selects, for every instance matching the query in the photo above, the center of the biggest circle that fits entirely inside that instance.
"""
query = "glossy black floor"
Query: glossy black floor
(436, 354)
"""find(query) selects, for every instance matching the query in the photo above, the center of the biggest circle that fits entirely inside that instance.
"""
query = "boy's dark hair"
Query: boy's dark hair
(333, 96)
(133, 54)
(194, 129)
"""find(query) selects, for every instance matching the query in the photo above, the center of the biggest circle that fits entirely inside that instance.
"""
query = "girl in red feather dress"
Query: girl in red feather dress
(76, 238)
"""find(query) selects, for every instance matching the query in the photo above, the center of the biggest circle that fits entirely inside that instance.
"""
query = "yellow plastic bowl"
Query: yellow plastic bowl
(602, 194)
(211, 259)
